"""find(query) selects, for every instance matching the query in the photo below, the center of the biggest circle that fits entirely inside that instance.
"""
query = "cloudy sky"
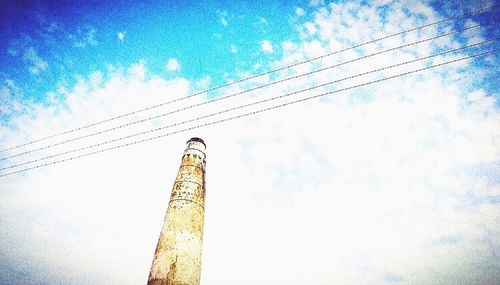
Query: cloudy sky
(395, 182)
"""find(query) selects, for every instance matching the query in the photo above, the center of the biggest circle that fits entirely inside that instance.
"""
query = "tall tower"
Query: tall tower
(177, 259)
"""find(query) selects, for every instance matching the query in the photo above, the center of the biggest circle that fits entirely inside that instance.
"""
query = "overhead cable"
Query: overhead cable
(482, 10)
(240, 116)
(237, 94)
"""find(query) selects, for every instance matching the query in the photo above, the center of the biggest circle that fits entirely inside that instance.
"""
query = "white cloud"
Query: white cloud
(173, 65)
(261, 20)
(138, 70)
(233, 49)
(121, 36)
(83, 37)
(299, 11)
(12, 51)
(16, 46)
(266, 46)
(222, 17)
(52, 27)
(390, 183)
(315, 3)
(287, 46)
(35, 63)
(203, 83)
(310, 28)
(223, 22)
(10, 95)
(90, 36)
(89, 99)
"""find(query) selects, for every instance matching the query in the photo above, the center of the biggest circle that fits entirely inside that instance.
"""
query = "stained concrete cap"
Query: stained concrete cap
(196, 141)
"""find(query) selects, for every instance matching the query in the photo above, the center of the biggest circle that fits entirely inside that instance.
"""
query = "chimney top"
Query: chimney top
(195, 139)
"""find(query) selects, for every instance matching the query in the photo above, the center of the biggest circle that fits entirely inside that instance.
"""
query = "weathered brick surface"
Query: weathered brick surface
(177, 259)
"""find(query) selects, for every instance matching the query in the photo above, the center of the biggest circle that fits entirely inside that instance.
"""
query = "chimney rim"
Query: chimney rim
(197, 139)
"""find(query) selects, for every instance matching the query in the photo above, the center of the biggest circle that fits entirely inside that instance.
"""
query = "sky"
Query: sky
(395, 182)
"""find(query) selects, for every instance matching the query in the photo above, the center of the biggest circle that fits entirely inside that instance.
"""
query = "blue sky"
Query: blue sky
(208, 38)
(79, 39)
(392, 183)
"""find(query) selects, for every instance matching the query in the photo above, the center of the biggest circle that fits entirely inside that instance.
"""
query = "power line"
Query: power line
(247, 114)
(247, 105)
(482, 10)
(238, 93)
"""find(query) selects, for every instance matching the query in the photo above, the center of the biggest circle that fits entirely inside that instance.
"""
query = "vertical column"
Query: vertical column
(177, 259)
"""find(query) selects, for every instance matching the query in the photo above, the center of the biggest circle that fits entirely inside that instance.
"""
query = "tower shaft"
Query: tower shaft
(177, 259)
